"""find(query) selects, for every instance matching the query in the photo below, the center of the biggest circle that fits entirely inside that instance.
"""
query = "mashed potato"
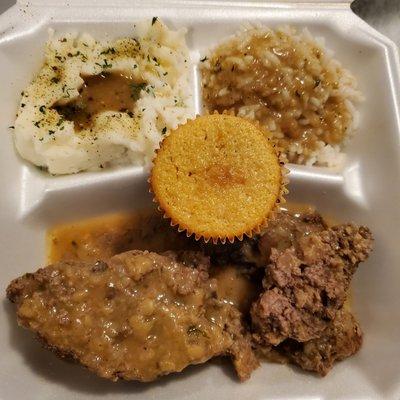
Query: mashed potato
(155, 61)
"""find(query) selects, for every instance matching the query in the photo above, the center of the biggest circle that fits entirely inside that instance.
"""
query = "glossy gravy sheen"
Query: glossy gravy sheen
(117, 317)
(102, 237)
(235, 288)
(292, 105)
(301, 208)
(99, 93)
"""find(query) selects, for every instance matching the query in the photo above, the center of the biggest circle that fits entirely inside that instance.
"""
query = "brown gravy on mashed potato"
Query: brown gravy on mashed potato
(66, 124)
(99, 93)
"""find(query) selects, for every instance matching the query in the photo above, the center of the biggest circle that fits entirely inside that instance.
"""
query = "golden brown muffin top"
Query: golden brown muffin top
(218, 177)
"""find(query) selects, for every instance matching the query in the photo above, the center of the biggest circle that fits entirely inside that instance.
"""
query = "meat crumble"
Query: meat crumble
(305, 289)
(342, 338)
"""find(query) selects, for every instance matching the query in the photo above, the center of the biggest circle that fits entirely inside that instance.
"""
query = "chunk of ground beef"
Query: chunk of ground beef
(340, 340)
(305, 285)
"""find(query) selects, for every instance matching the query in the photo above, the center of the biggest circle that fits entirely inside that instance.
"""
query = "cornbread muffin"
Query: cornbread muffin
(217, 177)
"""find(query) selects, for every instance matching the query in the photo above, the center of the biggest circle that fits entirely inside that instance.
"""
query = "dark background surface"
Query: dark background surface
(384, 15)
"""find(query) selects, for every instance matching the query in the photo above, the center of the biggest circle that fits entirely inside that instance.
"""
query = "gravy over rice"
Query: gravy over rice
(287, 82)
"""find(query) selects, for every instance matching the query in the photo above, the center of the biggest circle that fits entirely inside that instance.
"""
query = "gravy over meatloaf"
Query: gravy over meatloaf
(135, 317)
(142, 314)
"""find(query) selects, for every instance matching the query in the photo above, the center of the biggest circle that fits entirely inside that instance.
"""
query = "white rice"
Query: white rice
(343, 92)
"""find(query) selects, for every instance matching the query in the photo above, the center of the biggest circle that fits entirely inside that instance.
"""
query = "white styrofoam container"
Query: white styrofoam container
(366, 190)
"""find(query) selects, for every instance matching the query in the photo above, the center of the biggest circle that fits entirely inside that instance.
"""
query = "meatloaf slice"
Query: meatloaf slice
(305, 285)
(137, 316)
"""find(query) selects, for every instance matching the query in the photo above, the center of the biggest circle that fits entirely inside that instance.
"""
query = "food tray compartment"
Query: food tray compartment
(359, 191)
